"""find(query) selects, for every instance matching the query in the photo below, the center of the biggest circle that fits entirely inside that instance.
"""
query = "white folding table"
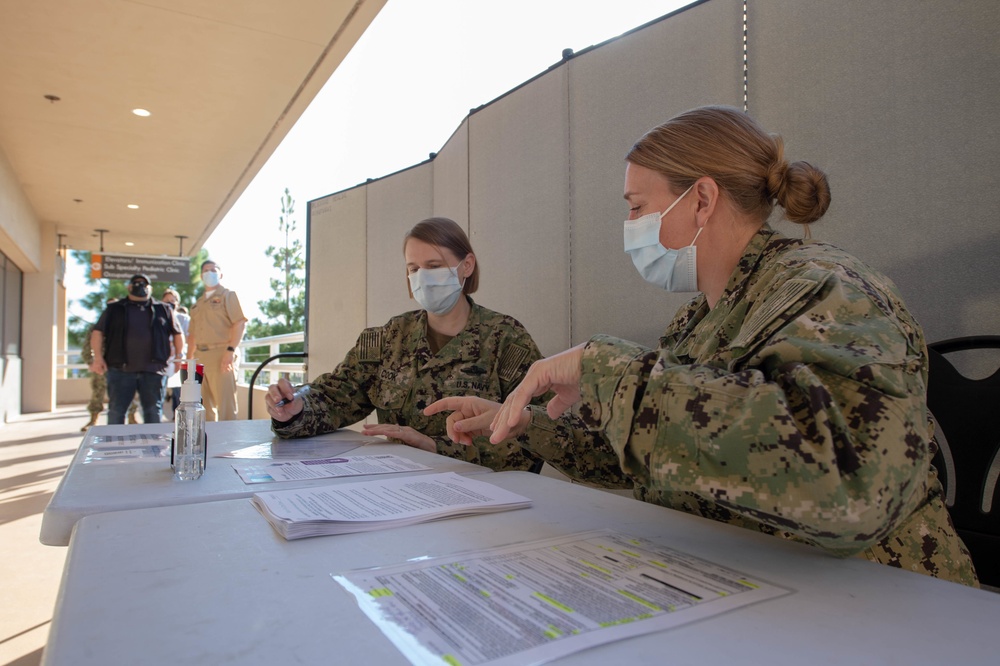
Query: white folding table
(133, 484)
(212, 583)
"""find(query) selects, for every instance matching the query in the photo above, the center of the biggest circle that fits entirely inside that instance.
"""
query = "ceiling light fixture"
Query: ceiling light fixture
(133, 206)
(129, 243)
(143, 113)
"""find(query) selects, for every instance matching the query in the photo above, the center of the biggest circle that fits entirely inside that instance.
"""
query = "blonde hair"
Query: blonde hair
(747, 163)
(446, 233)
(171, 290)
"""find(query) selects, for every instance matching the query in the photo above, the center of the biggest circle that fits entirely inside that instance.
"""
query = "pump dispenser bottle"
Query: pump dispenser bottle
(189, 431)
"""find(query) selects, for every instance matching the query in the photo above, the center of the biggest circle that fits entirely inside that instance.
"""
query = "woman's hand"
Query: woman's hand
(470, 417)
(560, 373)
(283, 390)
(402, 434)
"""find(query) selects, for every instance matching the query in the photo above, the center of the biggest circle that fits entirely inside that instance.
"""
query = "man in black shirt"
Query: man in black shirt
(131, 344)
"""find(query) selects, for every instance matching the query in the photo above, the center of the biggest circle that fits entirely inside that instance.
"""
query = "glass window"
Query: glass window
(10, 314)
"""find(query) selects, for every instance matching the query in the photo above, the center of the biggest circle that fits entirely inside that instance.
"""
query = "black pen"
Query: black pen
(301, 391)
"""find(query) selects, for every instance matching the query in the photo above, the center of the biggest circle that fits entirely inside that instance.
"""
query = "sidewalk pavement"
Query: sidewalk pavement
(34, 452)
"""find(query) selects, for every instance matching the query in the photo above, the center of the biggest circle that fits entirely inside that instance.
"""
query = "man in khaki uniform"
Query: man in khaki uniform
(216, 330)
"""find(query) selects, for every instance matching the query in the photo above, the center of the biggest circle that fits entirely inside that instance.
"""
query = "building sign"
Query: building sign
(123, 266)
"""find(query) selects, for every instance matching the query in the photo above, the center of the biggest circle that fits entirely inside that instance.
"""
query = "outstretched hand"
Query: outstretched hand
(470, 417)
(560, 373)
(402, 434)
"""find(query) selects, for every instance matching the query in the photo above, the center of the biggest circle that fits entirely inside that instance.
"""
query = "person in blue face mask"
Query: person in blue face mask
(787, 397)
(450, 346)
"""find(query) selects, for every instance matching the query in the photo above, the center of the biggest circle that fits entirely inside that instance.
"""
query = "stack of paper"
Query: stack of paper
(376, 505)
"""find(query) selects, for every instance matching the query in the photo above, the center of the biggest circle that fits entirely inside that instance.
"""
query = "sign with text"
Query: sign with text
(124, 266)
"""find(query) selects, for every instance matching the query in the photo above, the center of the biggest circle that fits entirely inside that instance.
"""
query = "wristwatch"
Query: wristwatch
(230, 349)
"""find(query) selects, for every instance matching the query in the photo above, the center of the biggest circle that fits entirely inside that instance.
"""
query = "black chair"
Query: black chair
(968, 415)
(260, 368)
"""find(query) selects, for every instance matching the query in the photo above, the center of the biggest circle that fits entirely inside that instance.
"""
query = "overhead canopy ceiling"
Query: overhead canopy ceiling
(224, 81)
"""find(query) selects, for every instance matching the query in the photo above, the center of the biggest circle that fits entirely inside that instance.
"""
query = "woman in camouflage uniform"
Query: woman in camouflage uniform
(450, 347)
(788, 397)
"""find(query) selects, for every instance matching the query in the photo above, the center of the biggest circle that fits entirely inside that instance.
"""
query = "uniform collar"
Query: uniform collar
(470, 335)
(748, 263)
(218, 291)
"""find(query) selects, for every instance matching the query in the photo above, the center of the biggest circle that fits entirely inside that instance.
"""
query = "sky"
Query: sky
(398, 96)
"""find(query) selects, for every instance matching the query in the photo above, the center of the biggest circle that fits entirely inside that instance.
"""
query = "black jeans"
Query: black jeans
(122, 387)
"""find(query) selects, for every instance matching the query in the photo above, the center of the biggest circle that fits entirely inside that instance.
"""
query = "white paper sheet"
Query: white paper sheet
(533, 602)
(127, 448)
(380, 504)
(323, 468)
(277, 448)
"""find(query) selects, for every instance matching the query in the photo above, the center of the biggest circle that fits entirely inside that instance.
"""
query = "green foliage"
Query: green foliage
(285, 312)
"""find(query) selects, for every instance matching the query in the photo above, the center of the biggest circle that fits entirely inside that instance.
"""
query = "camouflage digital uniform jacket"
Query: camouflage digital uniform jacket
(98, 385)
(796, 407)
(391, 369)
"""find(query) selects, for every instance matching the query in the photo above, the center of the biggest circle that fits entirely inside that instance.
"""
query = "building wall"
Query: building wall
(20, 253)
(898, 101)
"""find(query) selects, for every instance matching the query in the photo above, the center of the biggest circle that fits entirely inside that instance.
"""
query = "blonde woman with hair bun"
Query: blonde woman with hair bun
(788, 397)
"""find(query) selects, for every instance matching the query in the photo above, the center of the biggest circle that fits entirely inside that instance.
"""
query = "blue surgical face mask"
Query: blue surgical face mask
(436, 289)
(673, 270)
(210, 278)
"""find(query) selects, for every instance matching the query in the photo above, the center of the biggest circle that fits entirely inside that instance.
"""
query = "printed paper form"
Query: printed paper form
(127, 448)
(322, 446)
(380, 504)
(323, 468)
(533, 602)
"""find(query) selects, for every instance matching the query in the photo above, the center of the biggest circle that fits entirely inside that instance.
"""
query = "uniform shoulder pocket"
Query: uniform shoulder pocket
(512, 359)
(779, 307)
(370, 346)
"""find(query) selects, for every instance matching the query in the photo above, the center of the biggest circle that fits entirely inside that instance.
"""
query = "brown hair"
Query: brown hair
(171, 290)
(746, 163)
(446, 233)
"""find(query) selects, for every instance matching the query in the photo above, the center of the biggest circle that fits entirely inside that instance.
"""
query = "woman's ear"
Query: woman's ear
(706, 192)
(469, 264)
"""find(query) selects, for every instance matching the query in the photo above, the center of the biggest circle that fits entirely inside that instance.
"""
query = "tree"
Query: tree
(285, 312)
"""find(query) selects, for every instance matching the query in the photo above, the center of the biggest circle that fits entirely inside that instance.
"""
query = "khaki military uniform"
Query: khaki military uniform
(796, 407)
(212, 319)
(391, 370)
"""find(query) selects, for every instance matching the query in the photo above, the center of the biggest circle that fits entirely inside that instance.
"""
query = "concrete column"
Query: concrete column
(40, 328)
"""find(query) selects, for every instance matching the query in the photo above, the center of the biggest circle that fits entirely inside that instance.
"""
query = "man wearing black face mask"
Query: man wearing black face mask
(131, 344)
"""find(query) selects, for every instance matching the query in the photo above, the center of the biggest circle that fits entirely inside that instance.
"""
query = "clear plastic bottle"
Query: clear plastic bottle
(189, 432)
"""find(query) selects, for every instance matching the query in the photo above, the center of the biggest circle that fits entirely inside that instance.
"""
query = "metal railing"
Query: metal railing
(252, 354)
(70, 369)
(265, 348)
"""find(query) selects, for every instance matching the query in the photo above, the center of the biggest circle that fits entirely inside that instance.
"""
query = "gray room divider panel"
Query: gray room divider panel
(900, 103)
(336, 263)
(618, 92)
(519, 207)
(451, 177)
(395, 204)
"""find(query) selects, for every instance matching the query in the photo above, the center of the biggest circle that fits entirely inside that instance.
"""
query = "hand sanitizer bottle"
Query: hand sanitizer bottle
(189, 432)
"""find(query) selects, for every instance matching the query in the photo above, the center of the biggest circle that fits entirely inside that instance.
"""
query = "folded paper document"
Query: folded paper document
(380, 504)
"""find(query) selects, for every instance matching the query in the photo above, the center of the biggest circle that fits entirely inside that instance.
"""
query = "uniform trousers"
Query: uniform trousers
(218, 389)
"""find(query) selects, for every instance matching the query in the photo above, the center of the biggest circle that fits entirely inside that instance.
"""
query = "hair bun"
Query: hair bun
(805, 195)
